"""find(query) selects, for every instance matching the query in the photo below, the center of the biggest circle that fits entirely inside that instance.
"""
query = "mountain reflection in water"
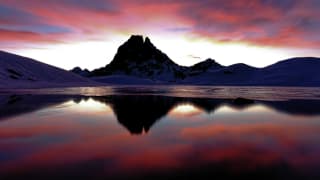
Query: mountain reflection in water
(60, 136)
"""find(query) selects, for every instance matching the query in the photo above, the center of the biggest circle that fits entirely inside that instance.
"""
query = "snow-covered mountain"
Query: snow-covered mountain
(17, 71)
(296, 71)
(292, 72)
(138, 61)
(140, 58)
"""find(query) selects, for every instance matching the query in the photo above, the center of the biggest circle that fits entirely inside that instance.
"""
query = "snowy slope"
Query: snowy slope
(291, 72)
(237, 74)
(296, 71)
(21, 72)
(125, 80)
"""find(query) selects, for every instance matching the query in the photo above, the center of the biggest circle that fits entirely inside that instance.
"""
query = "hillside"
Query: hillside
(302, 71)
(21, 72)
(292, 72)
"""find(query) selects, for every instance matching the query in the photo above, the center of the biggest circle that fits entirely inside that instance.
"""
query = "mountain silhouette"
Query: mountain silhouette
(138, 61)
(139, 57)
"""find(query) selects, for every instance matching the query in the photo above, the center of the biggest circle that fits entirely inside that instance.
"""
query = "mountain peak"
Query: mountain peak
(209, 60)
(206, 64)
(135, 40)
(139, 40)
(147, 40)
(148, 43)
(137, 49)
(139, 57)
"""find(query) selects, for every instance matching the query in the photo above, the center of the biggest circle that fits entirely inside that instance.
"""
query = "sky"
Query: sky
(87, 33)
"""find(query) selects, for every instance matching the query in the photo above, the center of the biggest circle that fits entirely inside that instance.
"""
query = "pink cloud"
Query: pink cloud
(273, 23)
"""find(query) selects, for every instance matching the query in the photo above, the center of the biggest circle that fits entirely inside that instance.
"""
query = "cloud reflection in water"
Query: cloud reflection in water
(189, 137)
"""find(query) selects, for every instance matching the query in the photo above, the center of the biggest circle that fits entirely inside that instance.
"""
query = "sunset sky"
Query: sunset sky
(87, 33)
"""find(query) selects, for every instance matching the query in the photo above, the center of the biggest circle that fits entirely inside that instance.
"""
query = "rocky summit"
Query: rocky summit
(139, 57)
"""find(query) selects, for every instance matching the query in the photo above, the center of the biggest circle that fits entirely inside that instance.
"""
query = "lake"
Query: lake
(160, 132)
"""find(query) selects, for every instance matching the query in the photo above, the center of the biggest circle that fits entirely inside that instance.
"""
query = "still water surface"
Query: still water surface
(159, 133)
